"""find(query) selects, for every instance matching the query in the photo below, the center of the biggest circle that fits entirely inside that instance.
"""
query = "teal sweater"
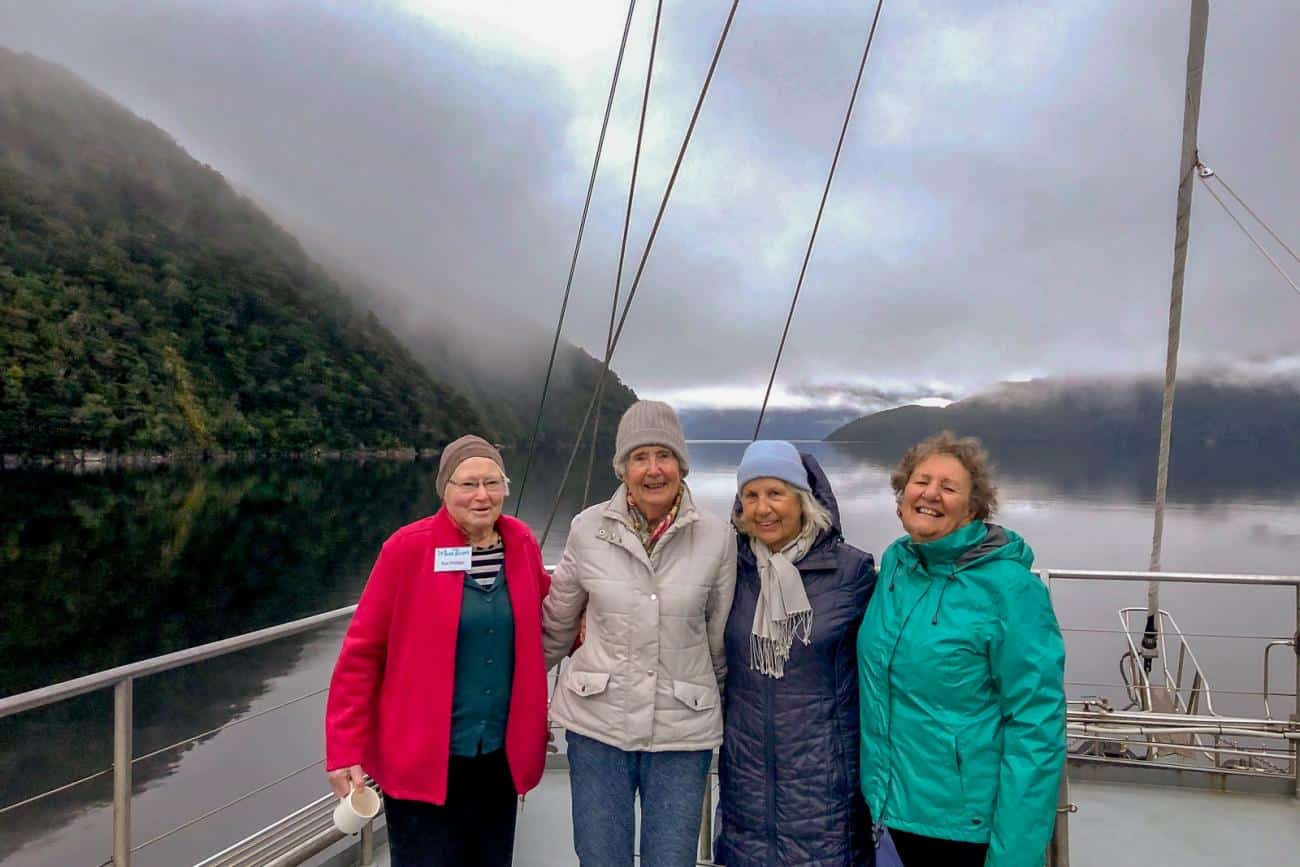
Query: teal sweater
(484, 666)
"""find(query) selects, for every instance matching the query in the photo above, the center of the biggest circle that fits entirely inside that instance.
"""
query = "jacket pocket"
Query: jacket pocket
(961, 774)
(978, 771)
(694, 696)
(586, 682)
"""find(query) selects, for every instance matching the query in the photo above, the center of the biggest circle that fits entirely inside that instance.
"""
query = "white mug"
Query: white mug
(359, 807)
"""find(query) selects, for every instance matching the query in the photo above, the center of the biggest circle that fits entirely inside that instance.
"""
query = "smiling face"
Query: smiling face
(653, 477)
(771, 512)
(936, 499)
(475, 509)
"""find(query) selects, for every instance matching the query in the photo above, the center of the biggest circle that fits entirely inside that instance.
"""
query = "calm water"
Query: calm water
(103, 569)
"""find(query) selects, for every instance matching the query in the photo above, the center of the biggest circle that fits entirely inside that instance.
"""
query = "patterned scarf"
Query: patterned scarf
(650, 535)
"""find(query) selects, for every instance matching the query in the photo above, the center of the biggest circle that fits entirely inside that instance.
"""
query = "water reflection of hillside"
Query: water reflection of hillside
(105, 569)
(1198, 475)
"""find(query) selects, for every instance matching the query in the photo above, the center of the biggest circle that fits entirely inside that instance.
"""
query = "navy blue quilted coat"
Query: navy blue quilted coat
(789, 759)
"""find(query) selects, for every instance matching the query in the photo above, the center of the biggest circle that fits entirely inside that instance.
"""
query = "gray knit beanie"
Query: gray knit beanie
(461, 450)
(649, 423)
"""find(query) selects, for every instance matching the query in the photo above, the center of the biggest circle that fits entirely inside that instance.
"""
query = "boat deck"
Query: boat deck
(1117, 824)
(1124, 823)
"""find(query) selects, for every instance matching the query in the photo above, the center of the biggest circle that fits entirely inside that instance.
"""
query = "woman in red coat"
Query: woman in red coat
(439, 692)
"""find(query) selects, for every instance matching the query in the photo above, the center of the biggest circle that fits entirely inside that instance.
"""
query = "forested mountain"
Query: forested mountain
(147, 306)
(1099, 415)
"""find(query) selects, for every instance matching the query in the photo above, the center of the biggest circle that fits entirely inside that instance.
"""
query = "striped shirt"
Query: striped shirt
(485, 565)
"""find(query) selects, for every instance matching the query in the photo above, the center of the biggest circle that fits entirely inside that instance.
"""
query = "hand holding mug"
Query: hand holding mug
(344, 780)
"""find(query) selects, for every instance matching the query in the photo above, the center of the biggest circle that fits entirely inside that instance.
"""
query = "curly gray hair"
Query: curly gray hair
(971, 454)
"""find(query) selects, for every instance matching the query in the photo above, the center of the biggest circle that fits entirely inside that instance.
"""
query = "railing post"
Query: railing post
(1058, 851)
(706, 823)
(1295, 717)
(368, 843)
(123, 729)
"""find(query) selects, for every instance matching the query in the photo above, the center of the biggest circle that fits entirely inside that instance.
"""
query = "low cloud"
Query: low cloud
(1004, 202)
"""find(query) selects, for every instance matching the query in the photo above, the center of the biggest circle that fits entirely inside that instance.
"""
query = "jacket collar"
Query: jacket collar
(820, 556)
(625, 535)
(949, 550)
(616, 509)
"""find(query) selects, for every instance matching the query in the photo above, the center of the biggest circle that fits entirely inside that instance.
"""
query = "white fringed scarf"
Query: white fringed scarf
(782, 612)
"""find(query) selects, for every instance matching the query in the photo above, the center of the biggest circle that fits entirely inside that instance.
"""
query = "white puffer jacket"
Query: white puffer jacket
(649, 673)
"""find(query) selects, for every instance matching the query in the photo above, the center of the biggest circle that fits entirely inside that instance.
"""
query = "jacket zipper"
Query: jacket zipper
(769, 755)
(878, 822)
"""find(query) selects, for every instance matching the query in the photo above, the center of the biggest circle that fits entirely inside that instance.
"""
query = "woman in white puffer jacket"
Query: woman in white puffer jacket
(641, 698)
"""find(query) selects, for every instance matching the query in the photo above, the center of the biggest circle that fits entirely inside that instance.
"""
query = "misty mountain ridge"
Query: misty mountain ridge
(782, 423)
(1210, 412)
(497, 359)
(145, 305)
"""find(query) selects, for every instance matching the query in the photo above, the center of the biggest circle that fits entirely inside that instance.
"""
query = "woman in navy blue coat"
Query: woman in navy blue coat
(788, 765)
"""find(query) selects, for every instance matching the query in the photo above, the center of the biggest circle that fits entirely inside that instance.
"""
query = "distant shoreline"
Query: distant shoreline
(92, 460)
(98, 460)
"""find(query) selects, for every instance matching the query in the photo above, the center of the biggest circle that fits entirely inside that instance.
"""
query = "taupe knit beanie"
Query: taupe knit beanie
(461, 450)
(649, 423)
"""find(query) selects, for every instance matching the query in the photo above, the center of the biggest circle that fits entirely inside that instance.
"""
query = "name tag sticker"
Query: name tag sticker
(451, 559)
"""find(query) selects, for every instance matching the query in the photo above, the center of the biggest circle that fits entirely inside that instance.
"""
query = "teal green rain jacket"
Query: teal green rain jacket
(961, 668)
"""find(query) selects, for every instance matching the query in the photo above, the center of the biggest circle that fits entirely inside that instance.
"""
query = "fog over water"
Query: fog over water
(106, 568)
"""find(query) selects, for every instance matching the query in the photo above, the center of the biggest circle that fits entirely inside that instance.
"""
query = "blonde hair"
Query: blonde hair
(813, 512)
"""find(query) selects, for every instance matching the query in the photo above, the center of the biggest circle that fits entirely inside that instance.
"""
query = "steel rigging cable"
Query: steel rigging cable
(812, 238)
(1204, 172)
(573, 262)
(645, 255)
(622, 249)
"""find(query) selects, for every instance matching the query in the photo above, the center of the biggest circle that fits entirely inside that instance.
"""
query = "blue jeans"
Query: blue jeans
(605, 781)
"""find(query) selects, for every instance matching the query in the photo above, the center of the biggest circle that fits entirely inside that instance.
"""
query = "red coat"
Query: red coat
(389, 707)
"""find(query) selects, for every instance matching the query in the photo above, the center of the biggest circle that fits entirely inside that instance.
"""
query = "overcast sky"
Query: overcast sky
(1003, 208)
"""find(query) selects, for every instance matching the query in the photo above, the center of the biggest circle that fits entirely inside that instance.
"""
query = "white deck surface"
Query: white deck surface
(1117, 824)
(1158, 825)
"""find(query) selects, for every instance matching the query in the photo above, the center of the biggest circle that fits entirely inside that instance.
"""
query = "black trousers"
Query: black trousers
(475, 828)
(918, 851)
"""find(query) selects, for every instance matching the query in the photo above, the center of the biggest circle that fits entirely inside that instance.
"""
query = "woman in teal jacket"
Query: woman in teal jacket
(961, 667)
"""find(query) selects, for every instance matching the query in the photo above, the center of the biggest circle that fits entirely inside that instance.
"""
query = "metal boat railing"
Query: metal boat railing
(1178, 717)
(122, 681)
(1172, 694)
(306, 832)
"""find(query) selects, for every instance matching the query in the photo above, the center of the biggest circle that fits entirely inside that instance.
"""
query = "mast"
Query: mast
(1186, 178)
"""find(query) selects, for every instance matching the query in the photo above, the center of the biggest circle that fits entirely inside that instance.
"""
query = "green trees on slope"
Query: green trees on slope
(144, 305)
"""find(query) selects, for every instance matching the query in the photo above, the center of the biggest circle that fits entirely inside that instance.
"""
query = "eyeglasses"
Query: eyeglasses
(469, 486)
